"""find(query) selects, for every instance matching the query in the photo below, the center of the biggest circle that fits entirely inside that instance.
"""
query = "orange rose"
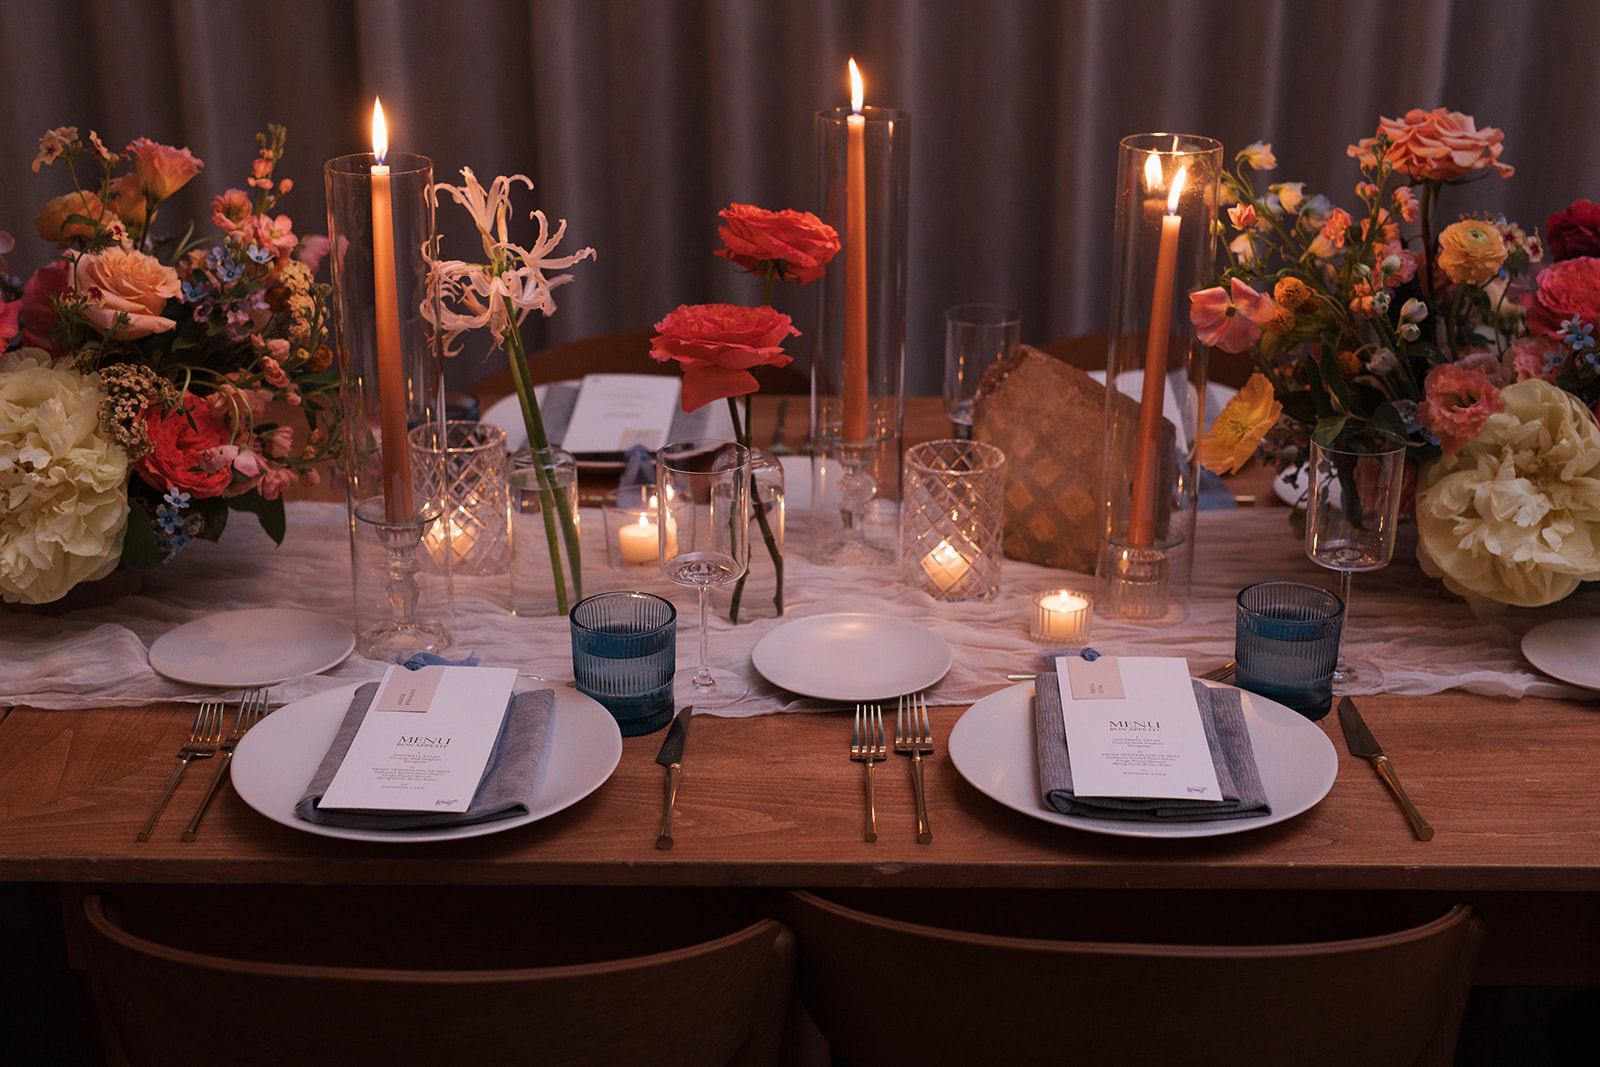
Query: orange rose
(798, 241)
(1436, 144)
(162, 170)
(52, 222)
(717, 344)
(122, 281)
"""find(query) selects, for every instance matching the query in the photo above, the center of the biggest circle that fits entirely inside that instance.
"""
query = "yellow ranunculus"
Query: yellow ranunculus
(1232, 439)
(1471, 251)
(1514, 516)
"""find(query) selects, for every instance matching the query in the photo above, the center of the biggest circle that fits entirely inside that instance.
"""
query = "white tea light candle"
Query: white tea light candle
(1061, 615)
(945, 566)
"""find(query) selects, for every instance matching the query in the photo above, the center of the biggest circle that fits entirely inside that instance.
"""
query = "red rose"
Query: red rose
(717, 344)
(801, 243)
(1570, 287)
(177, 457)
(1575, 231)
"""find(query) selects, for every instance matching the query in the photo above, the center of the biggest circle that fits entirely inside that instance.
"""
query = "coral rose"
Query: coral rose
(798, 241)
(1575, 231)
(181, 443)
(52, 220)
(1570, 287)
(120, 281)
(1458, 402)
(163, 170)
(717, 344)
(1437, 144)
(1471, 251)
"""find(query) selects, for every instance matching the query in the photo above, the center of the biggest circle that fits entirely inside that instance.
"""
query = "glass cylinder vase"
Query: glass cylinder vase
(1166, 208)
(380, 223)
(858, 349)
(546, 560)
(759, 594)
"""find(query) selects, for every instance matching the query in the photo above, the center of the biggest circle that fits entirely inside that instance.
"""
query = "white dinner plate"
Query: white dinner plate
(276, 760)
(992, 745)
(251, 647)
(1568, 649)
(851, 657)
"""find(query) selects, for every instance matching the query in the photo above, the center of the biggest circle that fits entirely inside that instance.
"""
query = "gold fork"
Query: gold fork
(252, 708)
(203, 738)
(868, 746)
(913, 735)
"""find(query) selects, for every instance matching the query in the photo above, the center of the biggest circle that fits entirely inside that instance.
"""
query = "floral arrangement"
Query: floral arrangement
(499, 294)
(1455, 336)
(151, 384)
(719, 345)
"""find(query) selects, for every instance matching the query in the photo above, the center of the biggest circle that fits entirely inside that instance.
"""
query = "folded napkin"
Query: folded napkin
(505, 790)
(1226, 734)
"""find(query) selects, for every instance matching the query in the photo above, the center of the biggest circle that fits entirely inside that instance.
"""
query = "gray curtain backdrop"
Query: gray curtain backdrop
(639, 119)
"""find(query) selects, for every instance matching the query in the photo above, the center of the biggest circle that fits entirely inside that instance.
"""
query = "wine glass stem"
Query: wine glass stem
(1344, 594)
(702, 676)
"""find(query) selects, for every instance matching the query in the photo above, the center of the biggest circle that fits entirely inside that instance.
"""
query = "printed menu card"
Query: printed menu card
(617, 411)
(425, 741)
(1134, 729)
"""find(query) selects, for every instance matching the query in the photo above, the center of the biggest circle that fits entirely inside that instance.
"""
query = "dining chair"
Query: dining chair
(720, 1001)
(886, 991)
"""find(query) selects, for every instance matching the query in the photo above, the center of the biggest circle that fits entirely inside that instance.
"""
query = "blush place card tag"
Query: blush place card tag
(614, 412)
(425, 740)
(1146, 741)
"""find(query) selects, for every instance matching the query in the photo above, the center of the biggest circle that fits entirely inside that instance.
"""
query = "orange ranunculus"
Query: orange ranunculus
(717, 344)
(1471, 251)
(1240, 426)
(120, 281)
(799, 241)
(52, 221)
(163, 170)
(1437, 144)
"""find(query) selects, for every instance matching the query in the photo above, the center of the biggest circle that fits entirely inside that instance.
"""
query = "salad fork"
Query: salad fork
(203, 738)
(868, 745)
(252, 708)
(913, 735)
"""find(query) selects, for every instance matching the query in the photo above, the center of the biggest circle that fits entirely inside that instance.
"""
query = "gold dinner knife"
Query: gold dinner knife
(671, 757)
(1363, 744)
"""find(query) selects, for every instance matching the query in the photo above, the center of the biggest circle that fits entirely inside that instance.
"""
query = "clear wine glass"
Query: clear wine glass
(703, 490)
(1351, 515)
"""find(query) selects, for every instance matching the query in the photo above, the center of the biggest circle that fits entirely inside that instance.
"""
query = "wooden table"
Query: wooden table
(773, 802)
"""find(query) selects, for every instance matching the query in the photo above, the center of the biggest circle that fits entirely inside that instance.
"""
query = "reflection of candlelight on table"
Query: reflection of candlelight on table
(391, 374)
(946, 566)
(1142, 521)
(1060, 615)
(855, 267)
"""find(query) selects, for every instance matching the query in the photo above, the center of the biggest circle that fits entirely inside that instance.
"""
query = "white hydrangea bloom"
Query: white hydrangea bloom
(1514, 516)
(63, 484)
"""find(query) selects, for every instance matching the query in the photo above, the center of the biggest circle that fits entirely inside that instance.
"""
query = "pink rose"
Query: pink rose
(312, 250)
(1457, 404)
(799, 241)
(162, 170)
(120, 281)
(1536, 357)
(1567, 288)
(717, 344)
(1437, 144)
(177, 459)
(1575, 231)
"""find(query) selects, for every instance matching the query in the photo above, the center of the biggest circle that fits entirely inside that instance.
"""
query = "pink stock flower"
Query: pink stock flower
(232, 210)
(312, 250)
(1457, 403)
(1437, 144)
(1230, 319)
(1405, 201)
(1339, 221)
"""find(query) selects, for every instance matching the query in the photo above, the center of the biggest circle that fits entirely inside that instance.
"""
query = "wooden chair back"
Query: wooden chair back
(884, 991)
(720, 1001)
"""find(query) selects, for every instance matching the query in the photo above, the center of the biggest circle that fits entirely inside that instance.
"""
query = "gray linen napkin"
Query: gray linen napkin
(1226, 734)
(505, 790)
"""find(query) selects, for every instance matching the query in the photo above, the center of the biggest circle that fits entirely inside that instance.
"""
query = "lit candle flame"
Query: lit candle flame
(857, 95)
(1152, 172)
(380, 132)
(1177, 190)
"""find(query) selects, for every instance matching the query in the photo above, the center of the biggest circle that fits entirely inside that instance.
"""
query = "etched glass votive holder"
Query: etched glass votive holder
(467, 460)
(953, 519)
(1286, 643)
(624, 655)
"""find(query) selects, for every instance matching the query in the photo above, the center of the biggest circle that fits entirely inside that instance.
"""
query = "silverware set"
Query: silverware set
(913, 736)
(207, 739)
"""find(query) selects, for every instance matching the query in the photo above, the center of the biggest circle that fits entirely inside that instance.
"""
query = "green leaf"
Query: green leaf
(139, 548)
(269, 512)
(1334, 380)
(1327, 429)
(1319, 391)
(1387, 417)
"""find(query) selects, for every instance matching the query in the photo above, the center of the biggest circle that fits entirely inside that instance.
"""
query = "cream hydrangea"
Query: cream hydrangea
(63, 483)
(1514, 516)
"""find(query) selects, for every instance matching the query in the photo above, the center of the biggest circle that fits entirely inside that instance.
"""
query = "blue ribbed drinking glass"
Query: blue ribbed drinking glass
(1286, 643)
(624, 653)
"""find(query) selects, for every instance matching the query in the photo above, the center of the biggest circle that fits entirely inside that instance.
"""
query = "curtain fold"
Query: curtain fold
(638, 121)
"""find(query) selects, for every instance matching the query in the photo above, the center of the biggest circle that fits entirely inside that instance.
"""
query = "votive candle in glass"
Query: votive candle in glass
(1061, 616)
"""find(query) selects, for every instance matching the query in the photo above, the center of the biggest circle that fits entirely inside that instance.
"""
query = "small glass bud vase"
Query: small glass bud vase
(759, 595)
(546, 563)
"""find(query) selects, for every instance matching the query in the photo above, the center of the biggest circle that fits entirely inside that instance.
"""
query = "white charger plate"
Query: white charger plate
(276, 760)
(1568, 649)
(852, 656)
(251, 647)
(992, 746)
